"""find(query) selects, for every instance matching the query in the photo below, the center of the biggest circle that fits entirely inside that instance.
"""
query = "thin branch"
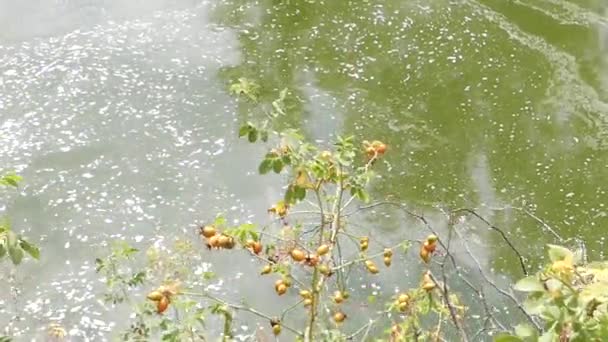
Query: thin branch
(522, 262)
(241, 308)
(493, 285)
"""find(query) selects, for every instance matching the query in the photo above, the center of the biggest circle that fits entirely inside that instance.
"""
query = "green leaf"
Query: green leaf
(525, 331)
(299, 193)
(244, 130)
(137, 279)
(11, 179)
(277, 165)
(557, 253)
(265, 166)
(219, 221)
(32, 250)
(290, 194)
(2, 250)
(16, 254)
(529, 284)
(535, 303)
(264, 135)
(549, 336)
(253, 135)
(99, 264)
(507, 338)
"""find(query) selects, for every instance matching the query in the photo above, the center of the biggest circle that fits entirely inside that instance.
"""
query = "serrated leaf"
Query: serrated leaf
(30, 249)
(529, 284)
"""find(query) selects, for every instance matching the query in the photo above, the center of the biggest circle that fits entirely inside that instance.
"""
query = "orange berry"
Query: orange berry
(266, 269)
(226, 241)
(403, 298)
(276, 329)
(297, 255)
(427, 282)
(305, 294)
(324, 269)
(381, 148)
(387, 261)
(257, 247)
(281, 289)
(322, 250)
(214, 241)
(338, 297)
(208, 231)
(162, 304)
(363, 243)
(430, 247)
(425, 255)
(371, 267)
(154, 296)
(339, 317)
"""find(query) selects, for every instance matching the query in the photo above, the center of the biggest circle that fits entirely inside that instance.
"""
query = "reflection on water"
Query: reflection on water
(116, 115)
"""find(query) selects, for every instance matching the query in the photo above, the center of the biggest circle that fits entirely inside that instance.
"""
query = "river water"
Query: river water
(117, 115)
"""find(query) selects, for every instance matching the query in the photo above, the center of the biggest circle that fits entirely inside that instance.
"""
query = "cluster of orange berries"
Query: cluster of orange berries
(374, 149)
(216, 239)
(281, 285)
(370, 265)
(219, 240)
(309, 259)
(428, 247)
(402, 302)
(162, 296)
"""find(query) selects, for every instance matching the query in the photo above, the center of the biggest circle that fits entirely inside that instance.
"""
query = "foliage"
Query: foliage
(303, 251)
(571, 300)
(119, 276)
(11, 244)
(302, 255)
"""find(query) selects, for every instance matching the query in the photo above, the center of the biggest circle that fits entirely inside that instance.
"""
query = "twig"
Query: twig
(502, 234)
(241, 308)
(493, 285)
